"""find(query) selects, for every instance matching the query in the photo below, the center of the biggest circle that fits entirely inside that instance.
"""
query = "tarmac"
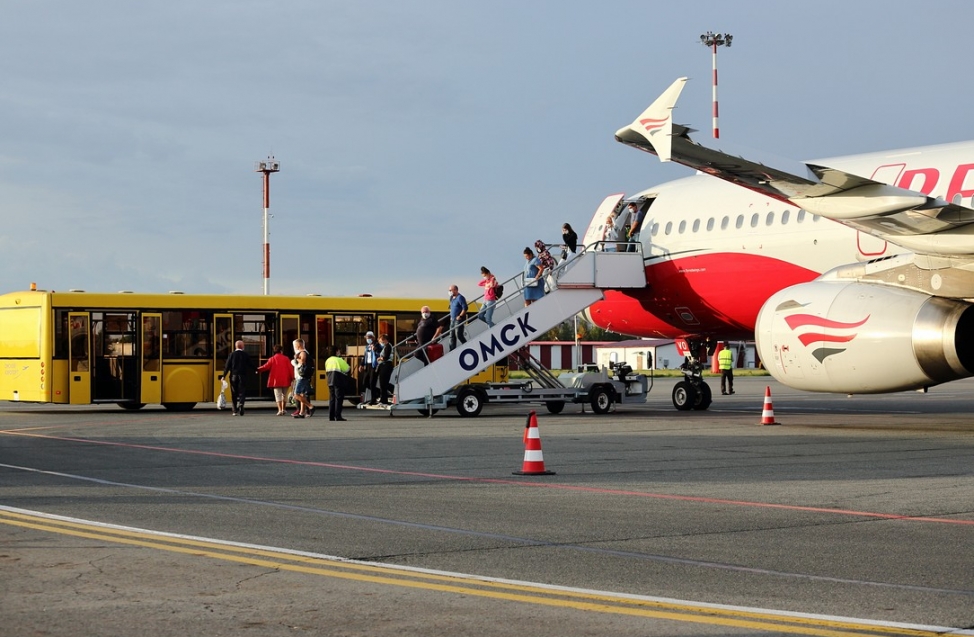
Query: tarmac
(854, 515)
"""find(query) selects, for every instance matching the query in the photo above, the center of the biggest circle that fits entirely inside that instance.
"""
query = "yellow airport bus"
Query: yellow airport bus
(133, 349)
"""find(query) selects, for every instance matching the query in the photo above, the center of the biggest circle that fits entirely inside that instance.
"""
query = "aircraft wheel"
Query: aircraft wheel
(684, 396)
(704, 397)
(555, 406)
(131, 406)
(601, 400)
(470, 402)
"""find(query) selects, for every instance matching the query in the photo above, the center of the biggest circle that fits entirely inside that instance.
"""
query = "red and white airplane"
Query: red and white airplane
(854, 274)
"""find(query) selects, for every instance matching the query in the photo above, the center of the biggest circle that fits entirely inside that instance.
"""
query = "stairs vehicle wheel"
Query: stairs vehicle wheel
(601, 400)
(684, 396)
(470, 402)
(555, 406)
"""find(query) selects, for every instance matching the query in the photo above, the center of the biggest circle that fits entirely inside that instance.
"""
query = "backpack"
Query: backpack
(307, 369)
(499, 291)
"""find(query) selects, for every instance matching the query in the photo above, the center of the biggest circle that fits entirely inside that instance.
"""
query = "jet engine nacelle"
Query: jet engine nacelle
(859, 338)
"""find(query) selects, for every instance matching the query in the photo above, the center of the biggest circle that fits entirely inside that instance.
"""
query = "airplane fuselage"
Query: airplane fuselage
(715, 252)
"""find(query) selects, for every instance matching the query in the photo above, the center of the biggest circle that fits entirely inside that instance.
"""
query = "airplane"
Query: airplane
(853, 274)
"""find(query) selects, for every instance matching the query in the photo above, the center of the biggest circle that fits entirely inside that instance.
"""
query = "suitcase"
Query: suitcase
(434, 351)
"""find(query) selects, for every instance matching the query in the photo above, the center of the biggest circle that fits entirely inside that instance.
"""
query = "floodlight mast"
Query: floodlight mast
(714, 40)
(268, 166)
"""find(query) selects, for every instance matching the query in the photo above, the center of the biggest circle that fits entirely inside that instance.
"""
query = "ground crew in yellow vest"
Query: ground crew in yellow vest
(725, 359)
(336, 369)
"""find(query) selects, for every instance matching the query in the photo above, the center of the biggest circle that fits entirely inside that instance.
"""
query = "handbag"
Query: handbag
(221, 400)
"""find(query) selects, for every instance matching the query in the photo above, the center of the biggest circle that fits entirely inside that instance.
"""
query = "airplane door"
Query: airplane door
(869, 246)
(596, 228)
(151, 363)
(79, 354)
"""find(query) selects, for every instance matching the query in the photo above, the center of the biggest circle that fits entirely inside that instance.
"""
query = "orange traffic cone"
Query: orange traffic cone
(533, 458)
(767, 416)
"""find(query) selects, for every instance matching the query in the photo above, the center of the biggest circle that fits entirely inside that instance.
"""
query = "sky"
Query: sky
(417, 141)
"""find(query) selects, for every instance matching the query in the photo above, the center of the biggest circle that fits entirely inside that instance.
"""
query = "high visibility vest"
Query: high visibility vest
(725, 358)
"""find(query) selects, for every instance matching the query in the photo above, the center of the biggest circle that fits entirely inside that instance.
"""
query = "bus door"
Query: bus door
(151, 363)
(79, 354)
(115, 357)
(222, 347)
(320, 346)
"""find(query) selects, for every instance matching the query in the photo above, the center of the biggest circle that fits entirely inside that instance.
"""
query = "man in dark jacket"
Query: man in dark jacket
(238, 364)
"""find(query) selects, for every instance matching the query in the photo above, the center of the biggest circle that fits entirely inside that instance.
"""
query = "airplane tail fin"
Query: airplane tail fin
(655, 124)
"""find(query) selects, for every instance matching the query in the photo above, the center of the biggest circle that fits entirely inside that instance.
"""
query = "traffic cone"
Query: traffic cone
(767, 416)
(533, 458)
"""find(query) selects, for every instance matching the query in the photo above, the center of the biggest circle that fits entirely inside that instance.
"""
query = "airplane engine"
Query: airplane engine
(858, 338)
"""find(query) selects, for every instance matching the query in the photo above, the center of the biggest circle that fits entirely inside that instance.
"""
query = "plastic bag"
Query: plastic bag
(221, 400)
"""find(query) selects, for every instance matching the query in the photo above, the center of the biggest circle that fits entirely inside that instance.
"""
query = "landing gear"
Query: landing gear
(692, 392)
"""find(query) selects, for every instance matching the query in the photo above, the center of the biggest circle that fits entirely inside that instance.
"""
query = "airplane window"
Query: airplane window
(669, 227)
(815, 218)
(696, 225)
(784, 216)
(683, 226)
(754, 220)
(801, 216)
(770, 219)
(710, 224)
(723, 223)
(740, 222)
(655, 229)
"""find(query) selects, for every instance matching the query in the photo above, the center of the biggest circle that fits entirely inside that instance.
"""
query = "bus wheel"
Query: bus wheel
(601, 400)
(684, 396)
(131, 406)
(179, 406)
(470, 402)
(555, 406)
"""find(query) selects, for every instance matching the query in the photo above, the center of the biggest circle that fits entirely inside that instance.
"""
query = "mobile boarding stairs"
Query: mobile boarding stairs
(572, 286)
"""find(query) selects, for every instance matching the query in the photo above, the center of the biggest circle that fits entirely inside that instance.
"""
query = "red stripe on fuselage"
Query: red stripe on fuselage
(713, 294)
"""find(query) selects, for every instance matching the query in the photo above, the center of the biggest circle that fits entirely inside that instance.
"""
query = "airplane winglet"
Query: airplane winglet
(655, 124)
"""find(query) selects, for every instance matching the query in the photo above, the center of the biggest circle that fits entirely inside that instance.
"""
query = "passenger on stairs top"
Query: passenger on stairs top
(570, 241)
(458, 316)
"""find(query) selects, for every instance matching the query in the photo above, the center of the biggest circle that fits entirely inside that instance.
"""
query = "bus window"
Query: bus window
(150, 344)
(350, 332)
(186, 334)
(61, 333)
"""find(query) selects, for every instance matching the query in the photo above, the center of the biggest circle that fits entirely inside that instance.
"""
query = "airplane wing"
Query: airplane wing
(917, 222)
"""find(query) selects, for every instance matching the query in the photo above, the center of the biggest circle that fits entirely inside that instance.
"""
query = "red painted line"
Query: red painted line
(519, 483)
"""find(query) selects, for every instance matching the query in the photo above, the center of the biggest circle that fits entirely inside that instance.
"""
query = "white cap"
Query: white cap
(370, 333)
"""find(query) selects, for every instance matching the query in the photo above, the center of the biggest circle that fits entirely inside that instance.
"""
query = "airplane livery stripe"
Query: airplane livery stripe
(804, 320)
(814, 337)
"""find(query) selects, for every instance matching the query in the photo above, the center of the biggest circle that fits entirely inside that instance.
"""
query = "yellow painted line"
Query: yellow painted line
(524, 593)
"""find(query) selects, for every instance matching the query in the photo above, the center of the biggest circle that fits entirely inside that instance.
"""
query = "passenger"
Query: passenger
(458, 316)
(427, 331)
(544, 257)
(238, 364)
(489, 282)
(610, 234)
(368, 371)
(569, 241)
(635, 223)
(337, 369)
(302, 387)
(281, 376)
(385, 368)
(533, 285)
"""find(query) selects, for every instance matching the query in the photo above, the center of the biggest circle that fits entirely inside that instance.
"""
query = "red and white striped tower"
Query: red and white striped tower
(268, 166)
(714, 40)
